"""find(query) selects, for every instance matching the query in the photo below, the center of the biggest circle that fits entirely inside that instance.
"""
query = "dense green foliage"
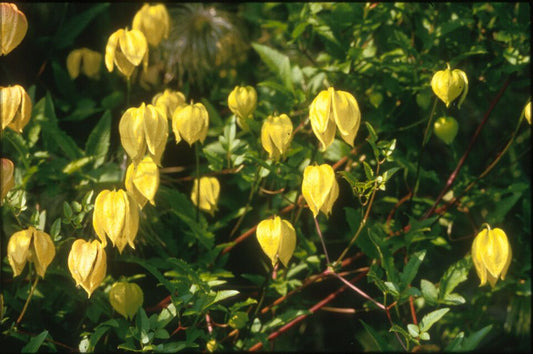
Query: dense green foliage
(205, 279)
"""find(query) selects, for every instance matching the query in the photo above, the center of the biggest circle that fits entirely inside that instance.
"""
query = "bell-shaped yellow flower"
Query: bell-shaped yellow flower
(15, 107)
(126, 298)
(209, 192)
(527, 112)
(85, 60)
(141, 129)
(491, 254)
(116, 215)
(242, 102)
(449, 84)
(87, 263)
(6, 178)
(153, 21)
(332, 108)
(190, 122)
(277, 238)
(320, 188)
(126, 49)
(168, 101)
(13, 27)
(276, 134)
(142, 181)
(30, 245)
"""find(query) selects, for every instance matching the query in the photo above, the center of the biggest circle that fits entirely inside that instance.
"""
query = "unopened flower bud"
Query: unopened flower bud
(15, 107)
(168, 101)
(142, 181)
(87, 263)
(126, 298)
(242, 102)
(126, 49)
(13, 27)
(449, 84)
(209, 192)
(85, 60)
(491, 254)
(446, 129)
(277, 238)
(30, 245)
(527, 112)
(6, 177)
(153, 21)
(276, 134)
(190, 122)
(320, 188)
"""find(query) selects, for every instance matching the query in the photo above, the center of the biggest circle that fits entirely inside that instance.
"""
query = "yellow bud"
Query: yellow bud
(126, 298)
(320, 188)
(242, 102)
(491, 254)
(190, 122)
(30, 245)
(322, 121)
(87, 263)
(126, 49)
(277, 238)
(209, 192)
(153, 21)
(15, 106)
(13, 27)
(168, 101)
(527, 112)
(116, 215)
(86, 60)
(142, 181)
(211, 345)
(6, 177)
(449, 84)
(276, 134)
(141, 129)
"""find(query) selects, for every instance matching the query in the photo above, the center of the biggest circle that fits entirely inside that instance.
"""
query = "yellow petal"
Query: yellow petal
(91, 61)
(191, 122)
(132, 222)
(126, 298)
(153, 21)
(43, 251)
(131, 129)
(269, 237)
(287, 242)
(155, 128)
(276, 134)
(319, 188)
(74, 63)
(13, 27)
(7, 180)
(99, 270)
(347, 115)
(115, 217)
(18, 250)
(111, 49)
(133, 45)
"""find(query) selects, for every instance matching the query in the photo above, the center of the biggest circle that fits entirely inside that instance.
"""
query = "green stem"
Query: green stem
(322, 241)
(32, 289)
(255, 184)
(197, 158)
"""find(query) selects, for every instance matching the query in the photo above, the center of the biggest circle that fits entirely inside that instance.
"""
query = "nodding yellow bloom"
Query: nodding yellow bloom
(126, 49)
(320, 188)
(85, 60)
(142, 181)
(116, 215)
(209, 192)
(334, 108)
(527, 112)
(448, 84)
(242, 102)
(144, 129)
(87, 263)
(15, 107)
(6, 178)
(276, 134)
(13, 27)
(153, 21)
(30, 245)
(491, 254)
(168, 101)
(126, 298)
(190, 122)
(277, 238)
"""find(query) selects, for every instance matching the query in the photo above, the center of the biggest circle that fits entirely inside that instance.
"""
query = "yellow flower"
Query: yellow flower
(320, 188)
(209, 191)
(87, 263)
(334, 108)
(153, 21)
(126, 49)
(446, 129)
(449, 84)
(15, 105)
(491, 253)
(142, 181)
(141, 129)
(168, 101)
(242, 102)
(13, 27)
(276, 134)
(86, 60)
(116, 215)
(277, 238)
(6, 178)
(190, 122)
(30, 245)
(126, 298)
(527, 112)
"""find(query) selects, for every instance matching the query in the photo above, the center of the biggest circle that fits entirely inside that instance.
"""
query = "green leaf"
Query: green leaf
(472, 341)
(380, 342)
(224, 294)
(35, 343)
(411, 268)
(429, 291)
(455, 275)
(413, 329)
(453, 299)
(431, 318)
(98, 142)
(277, 62)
